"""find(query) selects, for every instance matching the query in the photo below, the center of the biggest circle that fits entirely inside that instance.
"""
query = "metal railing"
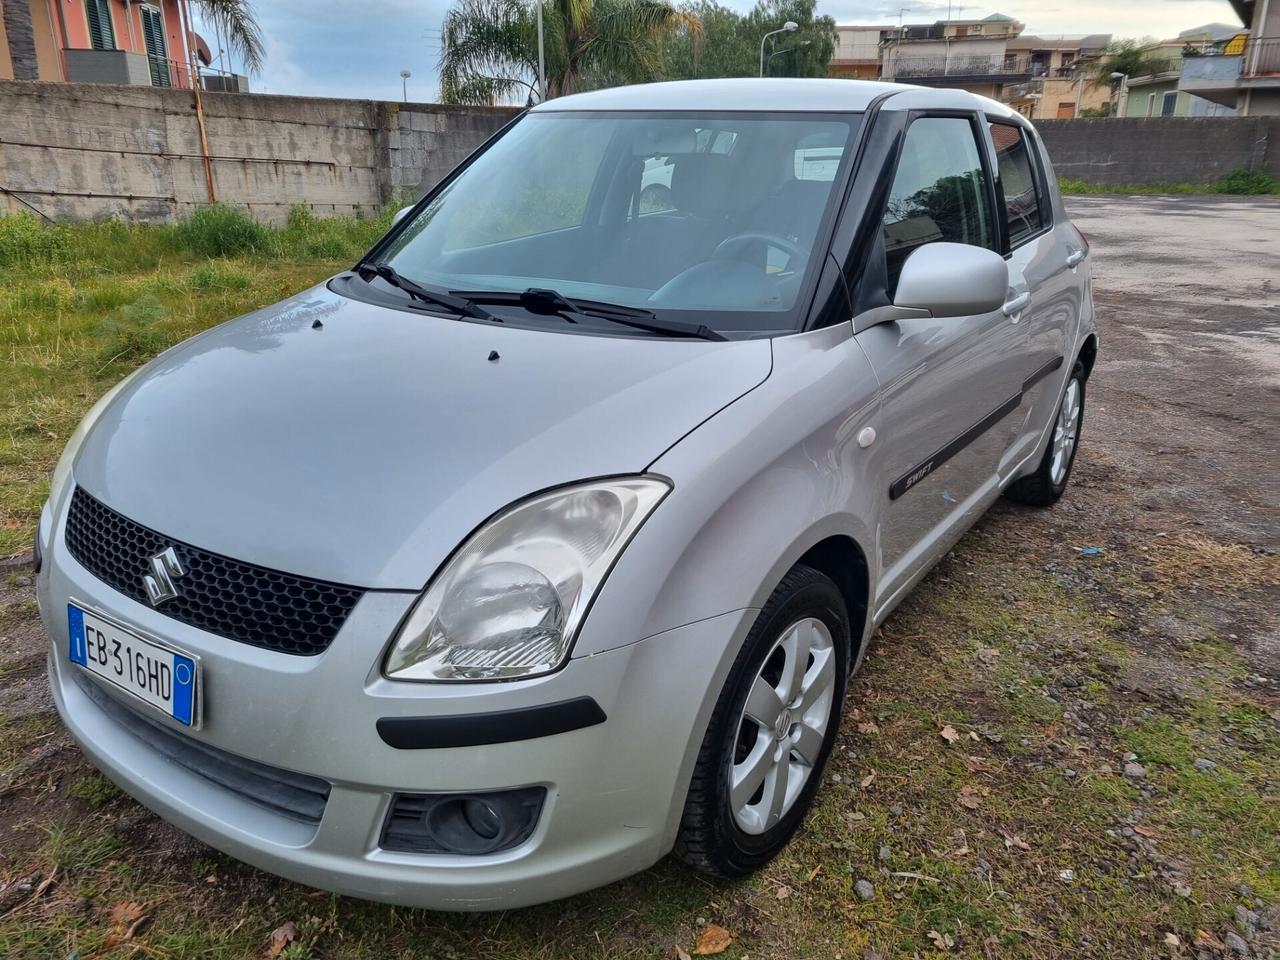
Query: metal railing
(1262, 57)
(958, 65)
(1257, 57)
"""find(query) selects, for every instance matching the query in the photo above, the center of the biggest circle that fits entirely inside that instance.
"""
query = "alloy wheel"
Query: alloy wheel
(1065, 432)
(782, 726)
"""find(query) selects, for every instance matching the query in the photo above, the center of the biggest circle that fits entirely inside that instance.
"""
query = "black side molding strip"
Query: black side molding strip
(479, 729)
(941, 456)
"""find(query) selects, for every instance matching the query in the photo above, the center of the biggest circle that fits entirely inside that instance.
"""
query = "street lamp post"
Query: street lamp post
(789, 27)
(1124, 92)
(404, 83)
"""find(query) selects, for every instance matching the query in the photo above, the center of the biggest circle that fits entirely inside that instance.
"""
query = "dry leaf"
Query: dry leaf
(281, 937)
(814, 872)
(1145, 831)
(682, 953)
(867, 780)
(1012, 840)
(973, 735)
(971, 796)
(126, 912)
(949, 734)
(942, 941)
(712, 939)
(1172, 940)
(136, 926)
(868, 727)
(783, 892)
(1206, 939)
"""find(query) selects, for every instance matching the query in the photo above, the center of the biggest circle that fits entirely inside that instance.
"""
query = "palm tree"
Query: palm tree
(235, 22)
(490, 47)
(1133, 58)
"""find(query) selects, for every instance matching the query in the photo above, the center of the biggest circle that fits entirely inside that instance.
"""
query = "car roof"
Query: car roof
(786, 95)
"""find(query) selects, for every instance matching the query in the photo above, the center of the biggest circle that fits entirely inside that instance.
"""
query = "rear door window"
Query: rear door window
(939, 192)
(1023, 205)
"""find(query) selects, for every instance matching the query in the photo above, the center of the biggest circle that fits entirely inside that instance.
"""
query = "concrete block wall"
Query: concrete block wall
(1161, 149)
(93, 151)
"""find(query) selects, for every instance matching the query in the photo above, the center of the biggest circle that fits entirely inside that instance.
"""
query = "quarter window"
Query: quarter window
(939, 192)
(1023, 205)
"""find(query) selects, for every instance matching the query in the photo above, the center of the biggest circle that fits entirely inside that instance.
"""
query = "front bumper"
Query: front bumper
(615, 789)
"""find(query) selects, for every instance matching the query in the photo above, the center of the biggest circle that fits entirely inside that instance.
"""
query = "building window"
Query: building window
(157, 47)
(1151, 104)
(1170, 104)
(102, 35)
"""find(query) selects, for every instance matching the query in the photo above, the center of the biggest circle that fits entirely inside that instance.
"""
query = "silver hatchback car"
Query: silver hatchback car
(544, 541)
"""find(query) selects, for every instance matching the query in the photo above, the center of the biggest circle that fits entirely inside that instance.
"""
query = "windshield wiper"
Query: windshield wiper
(547, 302)
(369, 269)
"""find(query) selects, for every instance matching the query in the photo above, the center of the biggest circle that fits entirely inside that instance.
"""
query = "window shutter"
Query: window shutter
(101, 34)
(157, 49)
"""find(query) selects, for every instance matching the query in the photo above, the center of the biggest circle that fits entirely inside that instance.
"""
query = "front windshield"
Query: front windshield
(708, 218)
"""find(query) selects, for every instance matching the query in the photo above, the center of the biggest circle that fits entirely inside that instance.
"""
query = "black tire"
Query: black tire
(709, 838)
(1038, 489)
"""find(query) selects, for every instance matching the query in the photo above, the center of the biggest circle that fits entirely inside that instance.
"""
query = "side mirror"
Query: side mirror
(400, 215)
(953, 280)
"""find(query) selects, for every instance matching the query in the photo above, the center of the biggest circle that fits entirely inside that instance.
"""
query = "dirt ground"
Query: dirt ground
(1115, 789)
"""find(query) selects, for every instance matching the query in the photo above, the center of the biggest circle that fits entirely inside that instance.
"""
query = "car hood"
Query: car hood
(355, 443)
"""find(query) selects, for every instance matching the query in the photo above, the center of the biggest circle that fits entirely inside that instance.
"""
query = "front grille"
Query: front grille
(295, 795)
(236, 600)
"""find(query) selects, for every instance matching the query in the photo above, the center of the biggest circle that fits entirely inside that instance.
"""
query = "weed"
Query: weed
(95, 790)
(221, 231)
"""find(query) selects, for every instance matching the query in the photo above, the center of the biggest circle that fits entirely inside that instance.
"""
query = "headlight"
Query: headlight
(510, 600)
(62, 471)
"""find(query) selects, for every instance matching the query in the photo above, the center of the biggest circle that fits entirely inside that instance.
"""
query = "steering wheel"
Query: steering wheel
(730, 247)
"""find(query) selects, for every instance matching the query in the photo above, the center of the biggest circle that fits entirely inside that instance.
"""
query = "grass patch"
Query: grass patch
(1236, 182)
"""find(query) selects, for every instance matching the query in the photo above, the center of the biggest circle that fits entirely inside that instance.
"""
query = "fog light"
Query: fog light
(469, 823)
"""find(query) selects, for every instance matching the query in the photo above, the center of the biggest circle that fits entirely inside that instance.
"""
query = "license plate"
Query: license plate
(155, 674)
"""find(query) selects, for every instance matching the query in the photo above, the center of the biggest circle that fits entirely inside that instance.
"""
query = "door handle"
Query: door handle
(1015, 306)
(1074, 257)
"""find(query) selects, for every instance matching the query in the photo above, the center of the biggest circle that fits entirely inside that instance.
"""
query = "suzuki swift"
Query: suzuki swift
(544, 541)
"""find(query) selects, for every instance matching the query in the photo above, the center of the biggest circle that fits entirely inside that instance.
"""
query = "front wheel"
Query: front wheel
(772, 730)
(1047, 485)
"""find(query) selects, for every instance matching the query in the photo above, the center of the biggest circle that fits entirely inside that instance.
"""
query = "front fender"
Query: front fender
(754, 488)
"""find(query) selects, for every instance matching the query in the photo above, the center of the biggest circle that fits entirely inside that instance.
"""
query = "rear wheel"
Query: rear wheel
(772, 730)
(1046, 486)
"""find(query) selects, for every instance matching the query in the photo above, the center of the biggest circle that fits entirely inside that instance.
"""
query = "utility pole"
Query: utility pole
(542, 58)
(195, 88)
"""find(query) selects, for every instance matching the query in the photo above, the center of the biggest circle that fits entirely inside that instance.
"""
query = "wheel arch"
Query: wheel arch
(1088, 354)
(842, 558)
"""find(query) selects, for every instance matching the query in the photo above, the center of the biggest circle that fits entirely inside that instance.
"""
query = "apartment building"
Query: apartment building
(1242, 73)
(857, 53)
(101, 41)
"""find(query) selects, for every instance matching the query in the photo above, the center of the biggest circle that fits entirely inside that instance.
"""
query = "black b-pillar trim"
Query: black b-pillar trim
(479, 729)
(941, 456)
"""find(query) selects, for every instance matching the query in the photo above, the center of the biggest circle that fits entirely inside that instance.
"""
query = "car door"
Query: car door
(1043, 259)
(946, 383)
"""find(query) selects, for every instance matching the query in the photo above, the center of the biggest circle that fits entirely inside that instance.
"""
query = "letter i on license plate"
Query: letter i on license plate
(158, 676)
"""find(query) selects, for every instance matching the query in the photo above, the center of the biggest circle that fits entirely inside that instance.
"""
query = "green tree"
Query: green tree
(1134, 58)
(490, 47)
(729, 44)
(238, 26)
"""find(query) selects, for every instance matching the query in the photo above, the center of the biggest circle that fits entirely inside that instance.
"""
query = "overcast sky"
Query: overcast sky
(335, 48)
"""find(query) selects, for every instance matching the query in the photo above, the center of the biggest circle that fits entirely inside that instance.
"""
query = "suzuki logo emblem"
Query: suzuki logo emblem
(165, 568)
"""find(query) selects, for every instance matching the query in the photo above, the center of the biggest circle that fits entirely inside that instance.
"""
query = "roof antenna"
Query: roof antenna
(317, 325)
(493, 356)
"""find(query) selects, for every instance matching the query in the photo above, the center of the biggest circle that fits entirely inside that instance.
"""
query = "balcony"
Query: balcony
(1220, 76)
(944, 71)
